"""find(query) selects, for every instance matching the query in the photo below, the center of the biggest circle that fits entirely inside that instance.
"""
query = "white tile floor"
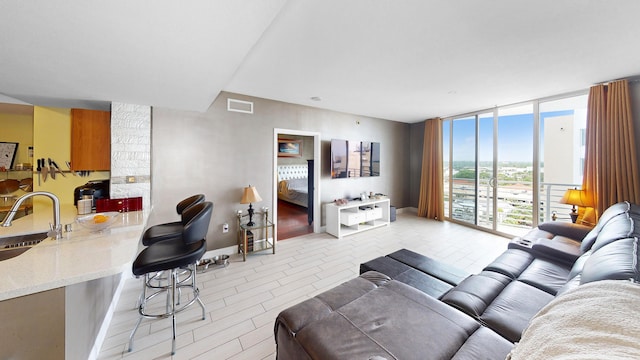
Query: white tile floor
(243, 299)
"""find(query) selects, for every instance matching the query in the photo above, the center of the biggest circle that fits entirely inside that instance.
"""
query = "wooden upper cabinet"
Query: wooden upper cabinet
(90, 140)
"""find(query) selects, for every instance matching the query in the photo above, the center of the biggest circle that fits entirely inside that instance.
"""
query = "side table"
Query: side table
(256, 237)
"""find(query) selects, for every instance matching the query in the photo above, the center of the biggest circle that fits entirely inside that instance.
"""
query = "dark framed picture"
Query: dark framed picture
(289, 148)
(8, 154)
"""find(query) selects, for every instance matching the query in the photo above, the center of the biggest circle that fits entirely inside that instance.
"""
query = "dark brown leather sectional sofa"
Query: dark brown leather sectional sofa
(407, 306)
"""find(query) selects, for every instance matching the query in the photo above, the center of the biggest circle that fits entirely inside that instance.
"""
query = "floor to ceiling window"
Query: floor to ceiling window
(446, 166)
(506, 169)
(463, 160)
(563, 124)
(514, 175)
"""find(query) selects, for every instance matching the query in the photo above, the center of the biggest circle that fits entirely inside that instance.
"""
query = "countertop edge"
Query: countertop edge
(54, 284)
(79, 257)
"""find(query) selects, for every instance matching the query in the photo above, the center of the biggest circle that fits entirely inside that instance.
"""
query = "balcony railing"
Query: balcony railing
(514, 199)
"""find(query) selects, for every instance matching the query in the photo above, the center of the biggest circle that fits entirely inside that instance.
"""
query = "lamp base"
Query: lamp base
(250, 211)
(574, 217)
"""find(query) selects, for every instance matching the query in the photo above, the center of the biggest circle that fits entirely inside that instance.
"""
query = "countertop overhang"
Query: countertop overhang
(79, 256)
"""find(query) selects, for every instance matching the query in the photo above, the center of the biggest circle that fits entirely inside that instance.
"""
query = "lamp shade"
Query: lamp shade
(577, 197)
(250, 195)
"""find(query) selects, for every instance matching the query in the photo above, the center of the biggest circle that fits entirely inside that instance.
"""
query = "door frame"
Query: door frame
(316, 171)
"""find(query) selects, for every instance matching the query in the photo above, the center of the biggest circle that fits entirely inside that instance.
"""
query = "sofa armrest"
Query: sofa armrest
(560, 248)
(573, 231)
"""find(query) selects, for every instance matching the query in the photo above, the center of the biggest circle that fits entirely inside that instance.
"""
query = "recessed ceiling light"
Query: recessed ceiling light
(316, 98)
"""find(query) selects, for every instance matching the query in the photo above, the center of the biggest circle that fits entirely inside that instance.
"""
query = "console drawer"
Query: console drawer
(352, 218)
(373, 214)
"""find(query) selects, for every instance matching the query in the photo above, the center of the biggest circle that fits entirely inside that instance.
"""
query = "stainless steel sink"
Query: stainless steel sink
(13, 246)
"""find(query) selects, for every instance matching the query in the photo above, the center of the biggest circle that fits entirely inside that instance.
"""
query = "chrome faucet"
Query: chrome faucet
(55, 228)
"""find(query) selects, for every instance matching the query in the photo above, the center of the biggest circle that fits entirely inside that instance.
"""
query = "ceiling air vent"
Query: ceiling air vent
(240, 106)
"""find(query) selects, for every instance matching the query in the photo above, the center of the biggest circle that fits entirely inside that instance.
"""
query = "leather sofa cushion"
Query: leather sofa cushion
(384, 265)
(408, 275)
(475, 293)
(573, 231)
(577, 267)
(573, 283)
(396, 321)
(435, 268)
(511, 263)
(619, 227)
(545, 275)
(483, 344)
(559, 248)
(618, 260)
(538, 233)
(510, 312)
(611, 212)
(502, 304)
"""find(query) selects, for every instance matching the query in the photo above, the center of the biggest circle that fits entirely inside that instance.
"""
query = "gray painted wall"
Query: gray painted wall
(219, 152)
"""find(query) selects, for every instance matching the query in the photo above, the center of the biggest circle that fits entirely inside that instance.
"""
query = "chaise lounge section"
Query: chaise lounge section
(405, 305)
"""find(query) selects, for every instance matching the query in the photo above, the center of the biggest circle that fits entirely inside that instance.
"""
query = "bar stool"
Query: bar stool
(170, 230)
(163, 232)
(172, 255)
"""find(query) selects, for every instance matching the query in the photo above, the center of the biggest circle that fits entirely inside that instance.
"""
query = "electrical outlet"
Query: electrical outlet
(225, 228)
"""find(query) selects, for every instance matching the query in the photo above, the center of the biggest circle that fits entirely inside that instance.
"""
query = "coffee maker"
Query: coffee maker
(97, 189)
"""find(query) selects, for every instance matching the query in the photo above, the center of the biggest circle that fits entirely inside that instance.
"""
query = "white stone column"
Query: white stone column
(131, 152)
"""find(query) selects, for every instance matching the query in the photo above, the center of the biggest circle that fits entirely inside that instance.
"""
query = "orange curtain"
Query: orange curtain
(431, 201)
(611, 167)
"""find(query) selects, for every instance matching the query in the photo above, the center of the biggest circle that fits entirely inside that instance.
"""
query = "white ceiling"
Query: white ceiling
(404, 60)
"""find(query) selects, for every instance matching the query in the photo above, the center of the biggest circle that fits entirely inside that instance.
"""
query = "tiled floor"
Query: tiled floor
(243, 299)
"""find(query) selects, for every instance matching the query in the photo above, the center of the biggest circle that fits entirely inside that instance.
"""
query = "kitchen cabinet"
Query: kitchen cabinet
(90, 140)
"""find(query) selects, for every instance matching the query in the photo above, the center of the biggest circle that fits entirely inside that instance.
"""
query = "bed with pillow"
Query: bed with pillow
(293, 184)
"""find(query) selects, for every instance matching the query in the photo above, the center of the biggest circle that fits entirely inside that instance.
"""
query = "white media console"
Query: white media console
(357, 216)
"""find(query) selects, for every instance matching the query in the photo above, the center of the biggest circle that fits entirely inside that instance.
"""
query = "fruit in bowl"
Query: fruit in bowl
(98, 221)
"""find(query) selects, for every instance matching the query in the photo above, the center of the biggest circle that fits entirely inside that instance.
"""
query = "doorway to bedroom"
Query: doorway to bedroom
(295, 183)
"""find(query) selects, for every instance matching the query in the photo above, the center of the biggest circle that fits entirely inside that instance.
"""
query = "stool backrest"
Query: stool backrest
(196, 219)
(188, 202)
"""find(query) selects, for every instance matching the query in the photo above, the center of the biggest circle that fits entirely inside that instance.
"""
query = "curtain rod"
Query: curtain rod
(631, 79)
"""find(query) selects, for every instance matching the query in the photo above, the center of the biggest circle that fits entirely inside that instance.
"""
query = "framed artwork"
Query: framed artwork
(7, 154)
(289, 148)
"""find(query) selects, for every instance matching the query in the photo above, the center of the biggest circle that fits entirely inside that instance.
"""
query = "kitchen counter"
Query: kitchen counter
(79, 256)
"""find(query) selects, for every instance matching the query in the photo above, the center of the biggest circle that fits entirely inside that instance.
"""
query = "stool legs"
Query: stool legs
(196, 293)
(172, 301)
(159, 277)
(174, 280)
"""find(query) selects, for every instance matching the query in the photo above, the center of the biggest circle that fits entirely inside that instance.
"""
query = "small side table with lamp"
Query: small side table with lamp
(575, 197)
(250, 227)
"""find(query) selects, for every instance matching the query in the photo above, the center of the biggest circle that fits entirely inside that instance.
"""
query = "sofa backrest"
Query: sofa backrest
(617, 228)
(617, 260)
(611, 212)
(610, 250)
